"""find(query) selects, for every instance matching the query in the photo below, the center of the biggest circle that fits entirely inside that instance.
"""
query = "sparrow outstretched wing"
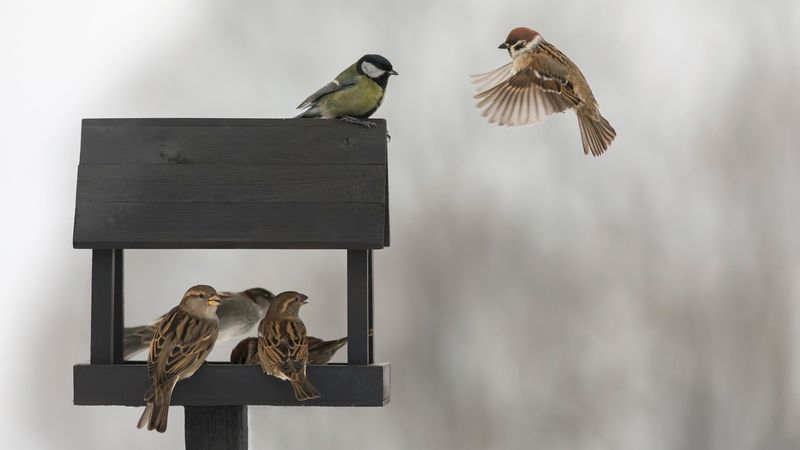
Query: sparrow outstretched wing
(493, 78)
(530, 95)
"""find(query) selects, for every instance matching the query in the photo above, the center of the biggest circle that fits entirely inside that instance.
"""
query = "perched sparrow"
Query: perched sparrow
(538, 82)
(238, 313)
(355, 93)
(181, 344)
(319, 351)
(283, 346)
(246, 352)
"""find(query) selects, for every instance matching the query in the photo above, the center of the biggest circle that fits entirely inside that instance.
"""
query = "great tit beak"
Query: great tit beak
(393, 72)
(213, 300)
(503, 46)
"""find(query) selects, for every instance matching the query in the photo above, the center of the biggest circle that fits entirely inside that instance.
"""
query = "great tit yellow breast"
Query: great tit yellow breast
(359, 100)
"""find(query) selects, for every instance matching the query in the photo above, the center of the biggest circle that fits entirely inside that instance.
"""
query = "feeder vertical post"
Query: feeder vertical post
(371, 311)
(118, 330)
(104, 303)
(215, 427)
(358, 306)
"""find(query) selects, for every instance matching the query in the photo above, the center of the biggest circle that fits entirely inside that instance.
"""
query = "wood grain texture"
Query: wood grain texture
(233, 384)
(358, 285)
(231, 141)
(229, 225)
(231, 183)
(215, 427)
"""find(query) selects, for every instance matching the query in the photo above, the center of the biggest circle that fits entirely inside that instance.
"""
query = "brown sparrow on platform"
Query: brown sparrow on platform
(183, 340)
(283, 345)
(541, 81)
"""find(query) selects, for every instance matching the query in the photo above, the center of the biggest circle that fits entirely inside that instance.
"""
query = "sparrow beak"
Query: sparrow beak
(503, 46)
(213, 300)
(303, 299)
(393, 72)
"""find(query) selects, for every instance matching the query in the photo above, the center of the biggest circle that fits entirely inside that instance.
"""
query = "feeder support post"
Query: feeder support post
(359, 307)
(107, 326)
(215, 427)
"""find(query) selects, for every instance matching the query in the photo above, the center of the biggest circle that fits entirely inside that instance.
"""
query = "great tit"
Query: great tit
(355, 93)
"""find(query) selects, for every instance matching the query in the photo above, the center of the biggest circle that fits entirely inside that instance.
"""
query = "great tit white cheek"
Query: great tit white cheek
(371, 70)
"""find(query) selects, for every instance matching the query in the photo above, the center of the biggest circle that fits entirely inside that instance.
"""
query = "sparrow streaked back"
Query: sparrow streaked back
(319, 352)
(283, 345)
(183, 340)
(541, 81)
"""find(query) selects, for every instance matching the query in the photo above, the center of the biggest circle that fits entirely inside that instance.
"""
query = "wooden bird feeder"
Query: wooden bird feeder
(230, 184)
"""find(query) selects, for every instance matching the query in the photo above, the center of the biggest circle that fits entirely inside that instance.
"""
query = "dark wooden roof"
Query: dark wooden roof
(231, 183)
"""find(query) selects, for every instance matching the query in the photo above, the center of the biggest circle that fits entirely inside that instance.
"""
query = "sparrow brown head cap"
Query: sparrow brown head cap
(521, 34)
(201, 290)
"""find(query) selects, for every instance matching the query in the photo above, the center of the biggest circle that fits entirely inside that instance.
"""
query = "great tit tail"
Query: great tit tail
(308, 114)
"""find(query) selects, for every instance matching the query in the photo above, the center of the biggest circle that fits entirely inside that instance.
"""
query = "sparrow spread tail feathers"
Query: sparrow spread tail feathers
(596, 133)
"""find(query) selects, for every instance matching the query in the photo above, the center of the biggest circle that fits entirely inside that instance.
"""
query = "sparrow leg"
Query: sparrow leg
(363, 123)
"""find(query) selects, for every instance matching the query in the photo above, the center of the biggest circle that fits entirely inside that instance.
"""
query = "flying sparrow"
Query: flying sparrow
(238, 313)
(541, 81)
(283, 345)
(183, 340)
(319, 351)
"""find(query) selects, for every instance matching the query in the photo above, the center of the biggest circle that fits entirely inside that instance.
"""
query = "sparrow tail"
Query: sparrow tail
(156, 411)
(137, 339)
(303, 389)
(596, 133)
(146, 415)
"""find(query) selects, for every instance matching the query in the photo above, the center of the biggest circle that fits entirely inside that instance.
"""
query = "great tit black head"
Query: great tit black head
(375, 66)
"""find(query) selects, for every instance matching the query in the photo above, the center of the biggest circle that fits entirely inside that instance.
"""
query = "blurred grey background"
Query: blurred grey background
(532, 297)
